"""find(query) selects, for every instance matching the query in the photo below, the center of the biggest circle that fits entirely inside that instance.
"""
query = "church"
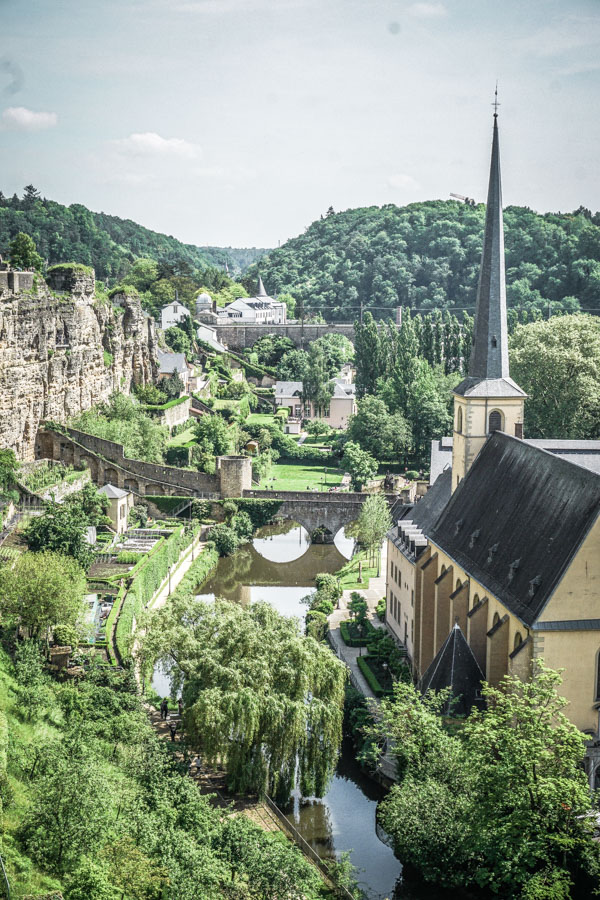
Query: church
(499, 563)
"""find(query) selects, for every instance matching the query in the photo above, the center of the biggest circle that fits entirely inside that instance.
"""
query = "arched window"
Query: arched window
(495, 421)
(458, 583)
(496, 619)
(459, 420)
(518, 640)
(475, 599)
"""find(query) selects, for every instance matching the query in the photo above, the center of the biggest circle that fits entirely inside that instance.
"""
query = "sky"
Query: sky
(239, 122)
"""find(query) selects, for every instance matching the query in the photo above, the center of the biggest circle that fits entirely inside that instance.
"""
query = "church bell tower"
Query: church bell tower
(487, 399)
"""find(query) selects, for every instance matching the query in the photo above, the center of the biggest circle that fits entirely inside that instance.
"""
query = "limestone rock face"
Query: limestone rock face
(62, 352)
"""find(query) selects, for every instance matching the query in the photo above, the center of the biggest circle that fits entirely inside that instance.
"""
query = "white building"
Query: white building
(259, 310)
(172, 314)
(119, 504)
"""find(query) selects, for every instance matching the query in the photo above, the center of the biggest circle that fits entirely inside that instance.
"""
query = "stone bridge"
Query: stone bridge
(316, 510)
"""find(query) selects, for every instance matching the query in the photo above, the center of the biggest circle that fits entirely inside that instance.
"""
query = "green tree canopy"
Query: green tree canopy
(23, 253)
(213, 435)
(557, 363)
(502, 802)
(360, 464)
(383, 434)
(373, 523)
(62, 528)
(42, 590)
(260, 697)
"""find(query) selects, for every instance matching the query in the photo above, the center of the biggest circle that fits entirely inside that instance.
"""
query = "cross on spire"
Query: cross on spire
(496, 104)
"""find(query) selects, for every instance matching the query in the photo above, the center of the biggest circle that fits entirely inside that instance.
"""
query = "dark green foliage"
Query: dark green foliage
(261, 512)
(360, 464)
(364, 664)
(124, 421)
(9, 466)
(328, 585)
(270, 348)
(352, 636)
(62, 528)
(383, 434)
(107, 243)
(225, 539)
(23, 254)
(427, 255)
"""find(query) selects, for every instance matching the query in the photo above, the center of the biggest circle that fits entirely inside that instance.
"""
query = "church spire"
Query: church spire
(487, 399)
(261, 288)
(489, 355)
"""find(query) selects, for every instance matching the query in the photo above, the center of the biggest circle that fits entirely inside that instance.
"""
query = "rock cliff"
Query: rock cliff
(62, 350)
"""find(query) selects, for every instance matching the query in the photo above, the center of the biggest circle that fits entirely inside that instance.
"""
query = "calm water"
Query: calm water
(280, 567)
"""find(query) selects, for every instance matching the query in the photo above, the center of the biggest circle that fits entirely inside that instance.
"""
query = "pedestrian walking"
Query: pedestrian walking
(173, 730)
(164, 708)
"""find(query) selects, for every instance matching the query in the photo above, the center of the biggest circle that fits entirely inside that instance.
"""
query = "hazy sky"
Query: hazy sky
(238, 122)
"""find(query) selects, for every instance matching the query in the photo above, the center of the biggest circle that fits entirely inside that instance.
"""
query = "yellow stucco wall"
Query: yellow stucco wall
(402, 587)
(475, 416)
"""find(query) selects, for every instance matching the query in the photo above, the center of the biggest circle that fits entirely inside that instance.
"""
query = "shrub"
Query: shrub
(351, 637)
(317, 625)
(225, 539)
(242, 525)
(380, 609)
(321, 604)
(328, 585)
(129, 557)
(371, 678)
(411, 475)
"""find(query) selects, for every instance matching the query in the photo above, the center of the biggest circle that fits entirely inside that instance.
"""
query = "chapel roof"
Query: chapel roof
(516, 520)
(455, 667)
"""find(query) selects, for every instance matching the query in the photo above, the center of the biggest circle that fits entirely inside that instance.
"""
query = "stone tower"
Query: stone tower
(487, 399)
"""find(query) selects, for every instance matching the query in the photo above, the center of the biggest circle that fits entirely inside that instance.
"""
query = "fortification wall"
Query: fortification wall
(238, 337)
(62, 353)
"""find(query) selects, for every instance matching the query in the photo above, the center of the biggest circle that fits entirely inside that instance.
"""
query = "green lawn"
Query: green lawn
(180, 439)
(299, 477)
(260, 419)
(348, 574)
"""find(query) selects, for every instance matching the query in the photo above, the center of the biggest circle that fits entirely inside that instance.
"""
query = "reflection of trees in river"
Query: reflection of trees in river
(316, 825)
(282, 526)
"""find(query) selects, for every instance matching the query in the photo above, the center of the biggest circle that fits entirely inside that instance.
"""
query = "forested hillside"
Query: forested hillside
(427, 255)
(109, 244)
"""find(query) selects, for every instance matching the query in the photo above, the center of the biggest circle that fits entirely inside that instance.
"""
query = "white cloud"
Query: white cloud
(403, 182)
(18, 118)
(427, 10)
(150, 144)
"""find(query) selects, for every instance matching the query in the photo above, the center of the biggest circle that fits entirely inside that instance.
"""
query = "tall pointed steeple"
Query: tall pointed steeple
(261, 288)
(487, 399)
(489, 355)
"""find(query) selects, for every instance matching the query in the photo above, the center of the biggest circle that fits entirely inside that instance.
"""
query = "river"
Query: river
(279, 567)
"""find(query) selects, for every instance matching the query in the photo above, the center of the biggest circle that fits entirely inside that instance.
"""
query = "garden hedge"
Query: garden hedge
(371, 677)
(146, 578)
(354, 641)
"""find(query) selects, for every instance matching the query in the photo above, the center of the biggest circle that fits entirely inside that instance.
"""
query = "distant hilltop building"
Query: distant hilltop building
(259, 310)
(173, 314)
(499, 564)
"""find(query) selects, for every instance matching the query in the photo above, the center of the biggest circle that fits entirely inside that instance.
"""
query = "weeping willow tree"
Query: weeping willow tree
(259, 697)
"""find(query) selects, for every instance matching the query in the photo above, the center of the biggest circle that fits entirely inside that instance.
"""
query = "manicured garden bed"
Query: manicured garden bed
(351, 636)
(378, 679)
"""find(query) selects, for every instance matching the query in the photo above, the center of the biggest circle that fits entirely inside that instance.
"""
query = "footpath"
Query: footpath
(349, 655)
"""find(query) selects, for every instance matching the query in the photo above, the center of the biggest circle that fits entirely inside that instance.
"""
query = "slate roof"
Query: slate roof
(455, 667)
(488, 387)
(516, 520)
(441, 456)
(171, 362)
(581, 453)
(288, 388)
(422, 514)
(114, 493)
